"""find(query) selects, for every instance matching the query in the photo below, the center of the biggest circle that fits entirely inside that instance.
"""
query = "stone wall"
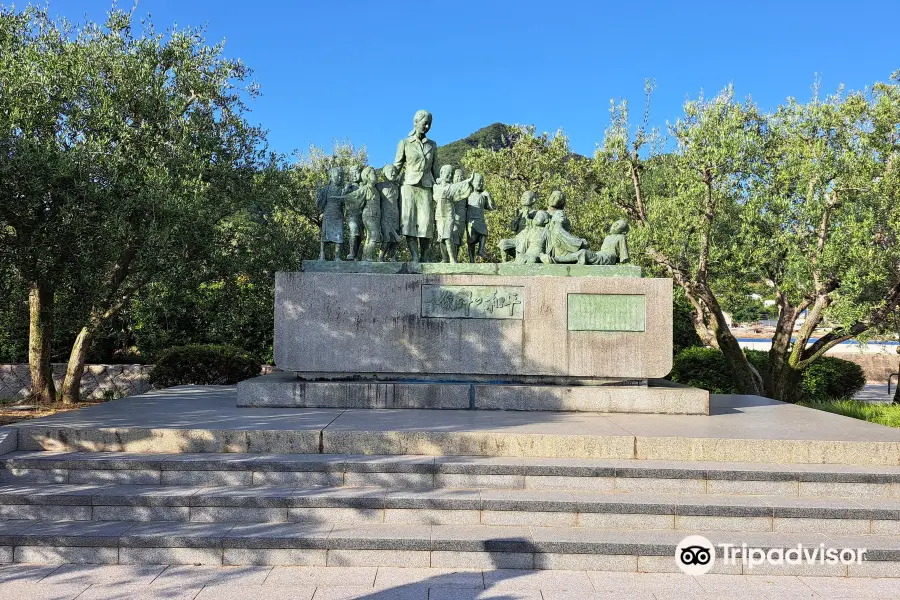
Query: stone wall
(99, 381)
(876, 366)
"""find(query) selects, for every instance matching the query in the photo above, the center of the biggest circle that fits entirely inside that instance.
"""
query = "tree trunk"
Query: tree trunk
(40, 333)
(747, 379)
(778, 370)
(786, 383)
(71, 391)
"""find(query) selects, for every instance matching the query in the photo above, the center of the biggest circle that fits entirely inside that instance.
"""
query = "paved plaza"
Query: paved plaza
(84, 582)
(207, 419)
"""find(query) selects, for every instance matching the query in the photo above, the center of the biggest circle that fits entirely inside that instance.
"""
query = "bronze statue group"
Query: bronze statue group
(444, 206)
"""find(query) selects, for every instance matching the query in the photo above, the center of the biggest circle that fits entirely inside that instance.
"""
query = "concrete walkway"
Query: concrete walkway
(875, 393)
(87, 582)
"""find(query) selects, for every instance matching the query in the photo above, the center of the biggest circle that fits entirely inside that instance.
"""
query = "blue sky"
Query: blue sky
(334, 69)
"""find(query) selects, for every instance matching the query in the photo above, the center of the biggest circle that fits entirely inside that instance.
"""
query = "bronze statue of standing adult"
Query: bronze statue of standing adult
(415, 155)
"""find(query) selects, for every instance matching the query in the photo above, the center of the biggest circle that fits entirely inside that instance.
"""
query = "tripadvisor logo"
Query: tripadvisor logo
(695, 555)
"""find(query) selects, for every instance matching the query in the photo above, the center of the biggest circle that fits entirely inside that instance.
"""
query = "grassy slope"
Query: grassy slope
(883, 414)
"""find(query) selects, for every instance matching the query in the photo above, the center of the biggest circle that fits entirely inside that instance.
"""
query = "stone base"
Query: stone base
(502, 326)
(286, 390)
(539, 270)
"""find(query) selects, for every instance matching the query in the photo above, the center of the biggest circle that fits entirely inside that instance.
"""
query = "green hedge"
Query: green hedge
(826, 379)
(203, 364)
(703, 368)
(832, 378)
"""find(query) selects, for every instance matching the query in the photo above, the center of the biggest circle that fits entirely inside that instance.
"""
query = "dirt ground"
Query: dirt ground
(10, 414)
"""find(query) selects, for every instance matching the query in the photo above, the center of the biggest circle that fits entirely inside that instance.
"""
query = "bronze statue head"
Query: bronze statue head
(541, 218)
(528, 198)
(369, 176)
(421, 123)
(390, 172)
(336, 175)
(557, 199)
(620, 226)
(446, 173)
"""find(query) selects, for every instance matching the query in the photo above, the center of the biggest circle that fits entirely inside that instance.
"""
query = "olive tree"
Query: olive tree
(802, 200)
(686, 215)
(123, 150)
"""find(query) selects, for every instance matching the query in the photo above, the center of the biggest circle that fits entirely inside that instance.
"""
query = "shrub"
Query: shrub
(703, 368)
(831, 378)
(828, 378)
(203, 364)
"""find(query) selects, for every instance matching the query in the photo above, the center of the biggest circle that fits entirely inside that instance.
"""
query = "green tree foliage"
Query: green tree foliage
(824, 206)
(802, 200)
(123, 151)
(684, 335)
(541, 163)
(229, 298)
(686, 218)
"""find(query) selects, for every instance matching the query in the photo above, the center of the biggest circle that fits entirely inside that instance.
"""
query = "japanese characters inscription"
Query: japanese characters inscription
(473, 302)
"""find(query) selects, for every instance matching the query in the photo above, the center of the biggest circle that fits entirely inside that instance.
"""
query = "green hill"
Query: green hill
(495, 137)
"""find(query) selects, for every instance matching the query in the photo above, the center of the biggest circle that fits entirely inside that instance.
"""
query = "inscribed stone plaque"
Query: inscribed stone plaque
(473, 301)
(607, 312)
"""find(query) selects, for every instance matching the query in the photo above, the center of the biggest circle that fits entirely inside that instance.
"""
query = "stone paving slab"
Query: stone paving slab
(368, 583)
(205, 419)
(186, 407)
(363, 583)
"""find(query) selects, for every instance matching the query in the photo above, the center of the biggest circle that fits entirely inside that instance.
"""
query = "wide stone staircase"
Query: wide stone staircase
(438, 511)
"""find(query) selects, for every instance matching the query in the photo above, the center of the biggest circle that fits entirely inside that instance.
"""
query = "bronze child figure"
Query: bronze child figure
(476, 226)
(390, 213)
(450, 198)
(457, 223)
(354, 217)
(443, 209)
(531, 243)
(330, 202)
(520, 223)
(366, 202)
(614, 249)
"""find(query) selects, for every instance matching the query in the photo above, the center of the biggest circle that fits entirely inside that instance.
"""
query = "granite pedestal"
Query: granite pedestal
(482, 336)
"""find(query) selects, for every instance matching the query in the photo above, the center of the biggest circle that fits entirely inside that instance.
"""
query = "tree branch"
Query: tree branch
(708, 216)
(837, 336)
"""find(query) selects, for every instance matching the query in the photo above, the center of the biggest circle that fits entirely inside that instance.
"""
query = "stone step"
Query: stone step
(419, 471)
(458, 392)
(126, 542)
(206, 419)
(538, 508)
